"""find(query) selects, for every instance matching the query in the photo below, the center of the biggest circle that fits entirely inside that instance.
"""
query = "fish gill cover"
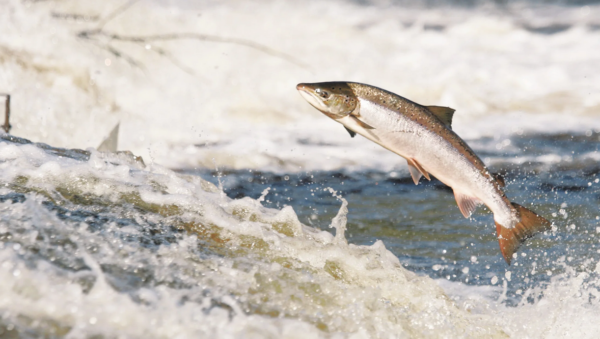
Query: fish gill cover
(95, 244)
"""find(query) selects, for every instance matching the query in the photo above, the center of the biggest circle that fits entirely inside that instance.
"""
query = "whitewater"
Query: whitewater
(253, 216)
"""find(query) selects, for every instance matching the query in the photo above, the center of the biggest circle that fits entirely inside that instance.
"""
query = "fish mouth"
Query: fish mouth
(308, 93)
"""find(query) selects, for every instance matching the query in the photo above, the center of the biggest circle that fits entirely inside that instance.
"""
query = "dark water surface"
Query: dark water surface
(557, 176)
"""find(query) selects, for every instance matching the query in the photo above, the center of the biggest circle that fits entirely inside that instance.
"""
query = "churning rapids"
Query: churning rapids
(255, 217)
(99, 244)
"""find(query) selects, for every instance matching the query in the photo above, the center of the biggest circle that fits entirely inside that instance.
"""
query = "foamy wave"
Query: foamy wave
(565, 307)
(99, 244)
(105, 246)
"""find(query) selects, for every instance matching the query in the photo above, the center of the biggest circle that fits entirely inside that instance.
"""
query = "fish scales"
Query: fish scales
(422, 135)
(416, 135)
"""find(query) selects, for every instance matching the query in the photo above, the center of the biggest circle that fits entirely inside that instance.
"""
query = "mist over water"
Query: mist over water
(252, 214)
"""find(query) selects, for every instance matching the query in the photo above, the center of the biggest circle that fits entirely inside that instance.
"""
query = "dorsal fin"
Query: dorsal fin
(443, 113)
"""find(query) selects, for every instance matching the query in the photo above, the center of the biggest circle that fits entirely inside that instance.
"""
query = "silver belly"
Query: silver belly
(436, 155)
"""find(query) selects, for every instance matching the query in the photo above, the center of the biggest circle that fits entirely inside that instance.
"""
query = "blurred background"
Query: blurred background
(201, 84)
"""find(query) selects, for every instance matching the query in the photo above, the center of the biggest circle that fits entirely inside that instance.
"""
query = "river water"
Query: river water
(252, 215)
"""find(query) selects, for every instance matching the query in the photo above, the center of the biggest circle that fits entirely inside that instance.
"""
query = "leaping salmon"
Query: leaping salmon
(423, 136)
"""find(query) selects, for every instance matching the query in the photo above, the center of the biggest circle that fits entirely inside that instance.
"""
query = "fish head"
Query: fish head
(334, 99)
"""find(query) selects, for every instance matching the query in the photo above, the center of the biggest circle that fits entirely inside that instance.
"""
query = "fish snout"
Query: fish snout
(334, 99)
(307, 91)
(302, 87)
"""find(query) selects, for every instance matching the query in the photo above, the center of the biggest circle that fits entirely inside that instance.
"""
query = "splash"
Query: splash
(340, 220)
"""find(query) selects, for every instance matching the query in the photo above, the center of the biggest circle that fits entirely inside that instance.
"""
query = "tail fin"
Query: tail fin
(511, 238)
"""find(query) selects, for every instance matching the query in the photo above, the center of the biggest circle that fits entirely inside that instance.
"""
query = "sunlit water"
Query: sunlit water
(235, 225)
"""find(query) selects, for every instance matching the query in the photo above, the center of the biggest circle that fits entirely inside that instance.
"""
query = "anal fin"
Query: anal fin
(466, 204)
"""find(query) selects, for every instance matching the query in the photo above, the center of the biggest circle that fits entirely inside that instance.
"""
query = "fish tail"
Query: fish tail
(530, 224)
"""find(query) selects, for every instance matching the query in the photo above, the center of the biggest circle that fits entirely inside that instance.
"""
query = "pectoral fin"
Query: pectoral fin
(352, 123)
(466, 204)
(443, 113)
(362, 123)
(352, 133)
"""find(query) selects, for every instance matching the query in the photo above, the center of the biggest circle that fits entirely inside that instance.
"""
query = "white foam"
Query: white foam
(270, 274)
(271, 263)
(566, 307)
(500, 77)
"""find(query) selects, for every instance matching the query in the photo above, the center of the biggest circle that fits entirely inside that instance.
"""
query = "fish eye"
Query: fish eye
(323, 94)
